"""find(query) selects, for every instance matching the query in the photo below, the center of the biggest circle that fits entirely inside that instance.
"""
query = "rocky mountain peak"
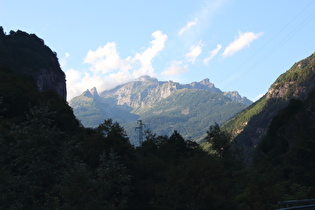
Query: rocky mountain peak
(87, 93)
(205, 82)
(94, 92)
(236, 97)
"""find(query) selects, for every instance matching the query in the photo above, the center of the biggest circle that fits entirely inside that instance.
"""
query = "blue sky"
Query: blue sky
(241, 45)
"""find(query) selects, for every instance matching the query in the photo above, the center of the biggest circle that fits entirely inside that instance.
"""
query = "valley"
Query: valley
(163, 106)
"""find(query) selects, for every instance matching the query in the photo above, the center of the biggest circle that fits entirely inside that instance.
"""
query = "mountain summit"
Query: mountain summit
(146, 91)
(164, 106)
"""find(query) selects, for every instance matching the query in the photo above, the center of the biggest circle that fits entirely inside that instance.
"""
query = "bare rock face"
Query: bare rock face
(144, 92)
(49, 80)
(296, 83)
(147, 91)
(236, 97)
(27, 54)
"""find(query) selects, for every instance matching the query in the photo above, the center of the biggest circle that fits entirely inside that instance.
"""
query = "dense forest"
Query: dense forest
(48, 160)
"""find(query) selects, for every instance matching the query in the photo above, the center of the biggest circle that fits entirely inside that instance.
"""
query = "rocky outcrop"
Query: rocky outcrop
(236, 97)
(27, 54)
(296, 83)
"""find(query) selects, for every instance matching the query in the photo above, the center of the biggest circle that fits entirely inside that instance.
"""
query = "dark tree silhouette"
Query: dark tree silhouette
(219, 139)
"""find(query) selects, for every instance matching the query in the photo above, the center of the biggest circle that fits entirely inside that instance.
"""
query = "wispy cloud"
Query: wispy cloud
(195, 51)
(145, 58)
(175, 68)
(244, 39)
(212, 54)
(188, 26)
(108, 69)
(203, 16)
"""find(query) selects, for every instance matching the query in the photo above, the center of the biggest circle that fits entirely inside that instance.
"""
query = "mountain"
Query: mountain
(163, 106)
(49, 161)
(91, 109)
(147, 91)
(27, 54)
(293, 87)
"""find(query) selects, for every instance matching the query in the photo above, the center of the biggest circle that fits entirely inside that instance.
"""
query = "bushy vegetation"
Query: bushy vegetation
(300, 73)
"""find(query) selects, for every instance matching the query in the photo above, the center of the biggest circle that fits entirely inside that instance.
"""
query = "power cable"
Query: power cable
(283, 41)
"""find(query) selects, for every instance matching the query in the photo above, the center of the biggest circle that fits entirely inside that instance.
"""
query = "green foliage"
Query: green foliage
(240, 120)
(295, 83)
(107, 187)
(301, 73)
(173, 173)
(219, 140)
(190, 112)
(93, 110)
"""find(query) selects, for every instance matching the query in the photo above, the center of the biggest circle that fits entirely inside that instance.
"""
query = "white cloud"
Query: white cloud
(108, 69)
(145, 58)
(175, 68)
(212, 54)
(77, 82)
(195, 51)
(242, 41)
(188, 26)
(106, 59)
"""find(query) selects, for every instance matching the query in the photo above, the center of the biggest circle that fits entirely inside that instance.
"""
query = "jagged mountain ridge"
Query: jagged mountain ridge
(147, 91)
(251, 125)
(164, 105)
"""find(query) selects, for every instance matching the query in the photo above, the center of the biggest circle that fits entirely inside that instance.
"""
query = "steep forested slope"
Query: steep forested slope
(251, 125)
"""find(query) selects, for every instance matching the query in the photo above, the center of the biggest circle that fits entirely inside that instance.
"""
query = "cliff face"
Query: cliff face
(27, 54)
(49, 80)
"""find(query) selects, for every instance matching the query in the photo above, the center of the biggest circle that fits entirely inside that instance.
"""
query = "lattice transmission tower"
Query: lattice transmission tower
(140, 131)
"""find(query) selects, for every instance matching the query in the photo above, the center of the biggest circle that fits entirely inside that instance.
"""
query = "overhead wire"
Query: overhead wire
(277, 46)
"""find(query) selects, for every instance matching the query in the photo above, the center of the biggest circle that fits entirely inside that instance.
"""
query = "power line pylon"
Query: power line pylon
(140, 131)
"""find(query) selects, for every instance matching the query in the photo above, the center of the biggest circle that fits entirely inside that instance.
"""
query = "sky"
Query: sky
(240, 45)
